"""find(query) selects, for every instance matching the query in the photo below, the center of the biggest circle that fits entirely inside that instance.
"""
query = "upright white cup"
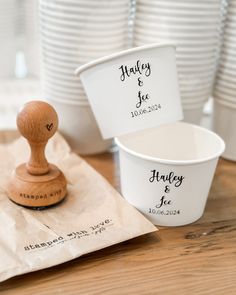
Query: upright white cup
(167, 172)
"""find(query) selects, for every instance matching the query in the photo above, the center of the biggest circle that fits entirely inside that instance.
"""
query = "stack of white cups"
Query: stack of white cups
(74, 32)
(8, 42)
(224, 119)
(195, 27)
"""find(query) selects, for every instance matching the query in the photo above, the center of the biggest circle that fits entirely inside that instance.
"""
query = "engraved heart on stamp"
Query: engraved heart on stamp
(49, 126)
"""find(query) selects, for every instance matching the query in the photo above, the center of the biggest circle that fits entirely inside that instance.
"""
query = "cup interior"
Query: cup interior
(179, 143)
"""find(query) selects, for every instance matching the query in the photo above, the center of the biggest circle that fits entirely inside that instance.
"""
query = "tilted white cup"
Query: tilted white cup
(134, 89)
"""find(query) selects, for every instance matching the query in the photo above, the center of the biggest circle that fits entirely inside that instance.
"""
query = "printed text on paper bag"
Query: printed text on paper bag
(89, 232)
(169, 180)
(139, 70)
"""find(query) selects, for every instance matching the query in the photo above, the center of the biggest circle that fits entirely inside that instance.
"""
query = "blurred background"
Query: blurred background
(44, 41)
(19, 57)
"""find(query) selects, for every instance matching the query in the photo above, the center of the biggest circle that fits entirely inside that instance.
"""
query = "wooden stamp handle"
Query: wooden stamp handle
(37, 164)
(37, 122)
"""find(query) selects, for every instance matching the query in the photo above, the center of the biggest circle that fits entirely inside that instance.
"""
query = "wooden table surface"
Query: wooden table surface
(196, 259)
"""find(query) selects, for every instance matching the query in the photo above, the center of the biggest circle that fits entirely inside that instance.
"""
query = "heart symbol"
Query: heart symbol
(49, 126)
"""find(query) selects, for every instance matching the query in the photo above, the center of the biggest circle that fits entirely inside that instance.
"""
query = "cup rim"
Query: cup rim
(83, 45)
(176, 162)
(122, 53)
(222, 95)
(178, 27)
(86, 38)
(87, 3)
(225, 103)
(69, 17)
(192, 106)
(222, 82)
(78, 25)
(177, 34)
(227, 64)
(226, 78)
(184, 41)
(70, 102)
(165, 11)
(182, 20)
(182, 4)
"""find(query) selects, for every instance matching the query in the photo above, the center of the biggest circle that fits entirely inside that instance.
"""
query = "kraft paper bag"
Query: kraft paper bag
(92, 217)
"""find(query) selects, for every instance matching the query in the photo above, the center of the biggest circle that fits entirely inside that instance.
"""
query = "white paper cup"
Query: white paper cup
(90, 2)
(183, 13)
(224, 122)
(133, 73)
(193, 113)
(228, 57)
(221, 95)
(74, 84)
(118, 38)
(109, 17)
(226, 85)
(212, 43)
(55, 95)
(228, 79)
(227, 90)
(78, 125)
(175, 27)
(78, 50)
(166, 172)
(179, 20)
(102, 32)
(159, 32)
(83, 47)
(182, 5)
(64, 89)
(60, 76)
(61, 23)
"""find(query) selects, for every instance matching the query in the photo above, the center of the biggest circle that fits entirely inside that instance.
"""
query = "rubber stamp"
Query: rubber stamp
(37, 183)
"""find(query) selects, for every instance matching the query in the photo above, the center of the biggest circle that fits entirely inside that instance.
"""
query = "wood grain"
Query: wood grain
(196, 259)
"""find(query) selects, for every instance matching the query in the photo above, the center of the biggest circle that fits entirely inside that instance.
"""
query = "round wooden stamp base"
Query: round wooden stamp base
(37, 191)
